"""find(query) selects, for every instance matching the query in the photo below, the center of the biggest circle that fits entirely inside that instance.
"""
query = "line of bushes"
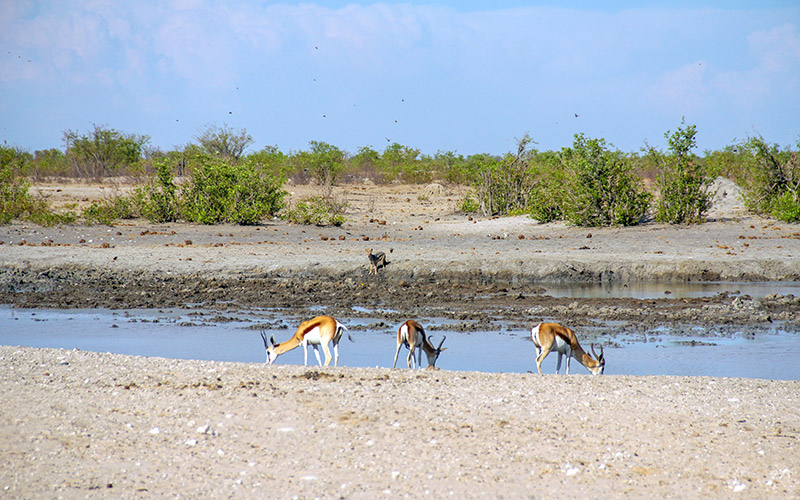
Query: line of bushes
(589, 183)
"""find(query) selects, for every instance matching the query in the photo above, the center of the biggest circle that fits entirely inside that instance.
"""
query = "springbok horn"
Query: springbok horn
(440, 343)
(264, 338)
(595, 354)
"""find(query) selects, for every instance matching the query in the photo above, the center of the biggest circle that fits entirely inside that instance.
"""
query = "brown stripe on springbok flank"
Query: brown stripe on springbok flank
(563, 333)
(310, 325)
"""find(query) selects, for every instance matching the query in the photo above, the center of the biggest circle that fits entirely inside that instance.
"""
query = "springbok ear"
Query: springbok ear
(443, 349)
(272, 340)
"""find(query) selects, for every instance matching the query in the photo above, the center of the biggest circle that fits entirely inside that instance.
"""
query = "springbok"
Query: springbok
(321, 330)
(412, 335)
(554, 337)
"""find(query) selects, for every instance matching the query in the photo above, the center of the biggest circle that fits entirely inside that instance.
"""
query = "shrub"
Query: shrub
(549, 191)
(469, 205)
(504, 186)
(324, 163)
(158, 200)
(14, 198)
(682, 181)
(603, 188)
(222, 191)
(41, 213)
(316, 210)
(772, 183)
(108, 211)
(404, 163)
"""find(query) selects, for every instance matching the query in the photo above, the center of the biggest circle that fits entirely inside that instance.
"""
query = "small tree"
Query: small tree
(271, 160)
(103, 151)
(504, 186)
(403, 163)
(604, 190)
(48, 162)
(323, 162)
(224, 141)
(682, 180)
(772, 183)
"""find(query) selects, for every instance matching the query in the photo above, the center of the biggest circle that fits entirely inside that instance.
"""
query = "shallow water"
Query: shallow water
(173, 334)
(653, 290)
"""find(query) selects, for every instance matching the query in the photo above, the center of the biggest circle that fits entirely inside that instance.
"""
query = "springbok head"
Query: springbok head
(601, 361)
(433, 355)
(270, 347)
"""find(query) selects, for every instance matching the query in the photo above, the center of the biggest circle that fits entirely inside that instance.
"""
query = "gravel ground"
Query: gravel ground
(90, 425)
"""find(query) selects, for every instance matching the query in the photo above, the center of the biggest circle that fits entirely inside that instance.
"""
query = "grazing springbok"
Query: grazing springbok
(321, 330)
(554, 337)
(412, 335)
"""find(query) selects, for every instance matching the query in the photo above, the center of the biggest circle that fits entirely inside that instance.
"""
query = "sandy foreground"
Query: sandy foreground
(90, 425)
(78, 424)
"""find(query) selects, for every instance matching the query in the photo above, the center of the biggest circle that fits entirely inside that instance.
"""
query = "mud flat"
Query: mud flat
(439, 265)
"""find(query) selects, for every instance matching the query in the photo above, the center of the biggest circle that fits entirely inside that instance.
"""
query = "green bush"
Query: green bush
(324, 163)
(109, 211)
(682, 180)
(222, 191)
(41, 213)
(158, 201)
(14, 198)
(772, 183)
(504, 186)
(316, 210)
(603, 188)
(469, 205)
(548, 194)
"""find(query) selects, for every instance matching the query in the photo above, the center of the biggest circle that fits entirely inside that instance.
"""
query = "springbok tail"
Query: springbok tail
(339, 325)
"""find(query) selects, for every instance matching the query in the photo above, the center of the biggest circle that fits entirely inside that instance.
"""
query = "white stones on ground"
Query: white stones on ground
(154, 431)
(191, 442)
(738, 487)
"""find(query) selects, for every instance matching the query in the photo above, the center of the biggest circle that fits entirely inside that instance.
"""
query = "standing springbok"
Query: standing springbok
(412, 335)
(554, 337)
(317, 331)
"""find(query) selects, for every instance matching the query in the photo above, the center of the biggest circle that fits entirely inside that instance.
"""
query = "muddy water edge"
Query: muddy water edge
(472, 305)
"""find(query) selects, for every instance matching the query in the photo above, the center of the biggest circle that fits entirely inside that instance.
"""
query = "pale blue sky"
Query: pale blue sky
(469, 77)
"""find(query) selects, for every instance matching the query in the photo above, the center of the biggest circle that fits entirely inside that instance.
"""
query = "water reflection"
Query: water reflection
(176, 334)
